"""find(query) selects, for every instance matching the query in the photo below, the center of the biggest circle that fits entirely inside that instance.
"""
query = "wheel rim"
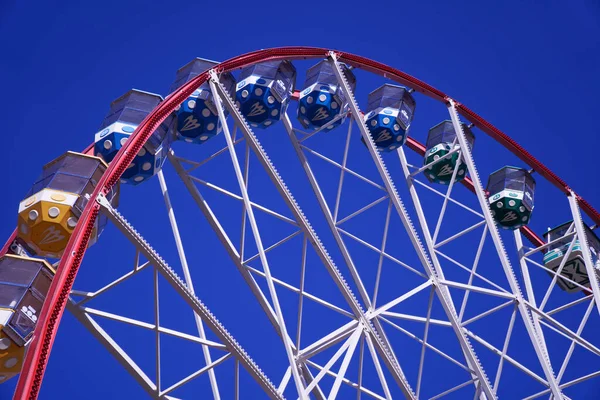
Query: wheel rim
(37, 356)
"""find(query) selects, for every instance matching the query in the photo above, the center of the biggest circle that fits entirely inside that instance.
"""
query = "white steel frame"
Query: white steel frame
(366, 318)
(202, 313)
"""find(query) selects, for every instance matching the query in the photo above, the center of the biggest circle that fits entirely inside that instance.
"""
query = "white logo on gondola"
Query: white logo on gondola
(190, 123)
(256, 109)
(52, 235)
(383, 136)
(404, 114)
(321, 114)
(29, 312)
(510, 216)
(446, 170)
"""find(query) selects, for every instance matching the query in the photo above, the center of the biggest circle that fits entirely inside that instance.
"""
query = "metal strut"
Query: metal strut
(382, 349)
(538, 342)
(441, 290)
(585, 249)
(111, 345)
(179, 285)
(257, 238)
(235, 257)
(331, 220)
(437, 274)
(188, 280)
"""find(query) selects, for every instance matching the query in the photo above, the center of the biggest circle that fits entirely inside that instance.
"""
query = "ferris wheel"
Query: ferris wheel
(332, 228)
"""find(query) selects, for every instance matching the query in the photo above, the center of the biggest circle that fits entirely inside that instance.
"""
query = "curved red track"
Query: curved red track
(36, 359)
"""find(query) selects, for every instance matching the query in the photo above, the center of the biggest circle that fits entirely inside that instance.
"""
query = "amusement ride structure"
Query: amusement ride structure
(382, 260)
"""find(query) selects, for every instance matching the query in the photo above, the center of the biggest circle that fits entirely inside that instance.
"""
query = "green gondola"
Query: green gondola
(511, 196)
(440, 141)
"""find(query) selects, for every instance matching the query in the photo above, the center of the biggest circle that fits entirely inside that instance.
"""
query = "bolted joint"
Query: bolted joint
(101, 199)
(214, 75)
(333, 55)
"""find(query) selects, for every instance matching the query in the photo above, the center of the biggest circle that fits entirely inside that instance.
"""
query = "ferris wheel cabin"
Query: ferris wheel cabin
(125, 114)
(264, 91)
(24, 284)
(510, 196)
(52, 207)
(322, 100)
(441, 140)
(389, 113)
(196, 119)
(574, 265)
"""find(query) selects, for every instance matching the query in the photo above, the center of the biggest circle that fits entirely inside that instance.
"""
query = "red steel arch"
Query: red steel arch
(34, 366)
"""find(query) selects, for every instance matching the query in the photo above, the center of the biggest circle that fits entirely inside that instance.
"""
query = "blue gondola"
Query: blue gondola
(196, 119)
(322, 100)
(264, 91)
(125, 114)
(389, 114)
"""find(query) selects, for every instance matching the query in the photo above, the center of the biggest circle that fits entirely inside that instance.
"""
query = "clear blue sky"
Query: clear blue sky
(531, 68)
